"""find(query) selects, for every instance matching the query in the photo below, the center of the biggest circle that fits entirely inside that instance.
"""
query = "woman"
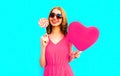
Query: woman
(56, 50)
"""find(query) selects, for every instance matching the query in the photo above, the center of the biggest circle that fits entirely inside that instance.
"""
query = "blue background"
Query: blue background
(20, 36)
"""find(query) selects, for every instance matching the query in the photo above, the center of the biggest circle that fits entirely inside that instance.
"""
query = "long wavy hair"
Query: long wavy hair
(63, 25)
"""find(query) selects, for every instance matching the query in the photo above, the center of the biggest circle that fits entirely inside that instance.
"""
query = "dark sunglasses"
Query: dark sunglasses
(59, 16)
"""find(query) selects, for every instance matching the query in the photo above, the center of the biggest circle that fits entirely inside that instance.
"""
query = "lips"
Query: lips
(54, 22)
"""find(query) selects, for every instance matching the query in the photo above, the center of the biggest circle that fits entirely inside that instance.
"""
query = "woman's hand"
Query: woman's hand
(43, 22)
(75, 54)
(44, 40)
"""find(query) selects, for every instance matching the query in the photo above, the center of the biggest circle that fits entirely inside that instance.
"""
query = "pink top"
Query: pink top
(57, 58)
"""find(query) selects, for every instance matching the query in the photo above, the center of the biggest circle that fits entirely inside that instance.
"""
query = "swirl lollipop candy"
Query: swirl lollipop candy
(43, 22)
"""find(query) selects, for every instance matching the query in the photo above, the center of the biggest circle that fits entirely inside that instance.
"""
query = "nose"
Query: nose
(54, 17)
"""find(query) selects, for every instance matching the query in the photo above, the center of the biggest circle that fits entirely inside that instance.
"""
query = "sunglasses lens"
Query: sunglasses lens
(52, 15)
(59, 16)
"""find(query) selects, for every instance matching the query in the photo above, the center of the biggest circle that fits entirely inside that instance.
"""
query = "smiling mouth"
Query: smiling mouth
(54, 22)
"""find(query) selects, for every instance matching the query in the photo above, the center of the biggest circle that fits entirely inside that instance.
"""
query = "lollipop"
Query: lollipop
(43, 22)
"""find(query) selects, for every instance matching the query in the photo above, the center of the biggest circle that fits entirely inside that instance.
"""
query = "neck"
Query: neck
(56, 30)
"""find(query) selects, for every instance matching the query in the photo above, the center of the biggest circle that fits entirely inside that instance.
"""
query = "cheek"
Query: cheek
(60, 20)
(50, 20)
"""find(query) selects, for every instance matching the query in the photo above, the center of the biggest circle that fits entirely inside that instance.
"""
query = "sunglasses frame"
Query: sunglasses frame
(58, 16)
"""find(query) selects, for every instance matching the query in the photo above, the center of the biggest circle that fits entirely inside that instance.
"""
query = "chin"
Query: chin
(56, 24)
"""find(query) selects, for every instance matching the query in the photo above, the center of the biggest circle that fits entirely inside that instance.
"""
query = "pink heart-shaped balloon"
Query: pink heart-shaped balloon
(82, 37)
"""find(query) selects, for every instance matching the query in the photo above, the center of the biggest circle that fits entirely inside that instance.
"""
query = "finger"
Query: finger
(46, 36)
(74, 52)
(72, 56)
(78, 52)
(43, 38)
(76, 56)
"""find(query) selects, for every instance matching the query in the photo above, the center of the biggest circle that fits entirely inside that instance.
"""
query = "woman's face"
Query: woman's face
(55, 17)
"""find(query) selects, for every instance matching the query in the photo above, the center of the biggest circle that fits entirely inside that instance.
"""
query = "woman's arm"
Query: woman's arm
(70, 55)
(44, 42)
(42, 57)
(73, 54)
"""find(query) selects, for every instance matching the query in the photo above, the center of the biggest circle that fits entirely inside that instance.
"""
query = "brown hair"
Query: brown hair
(63, 25)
